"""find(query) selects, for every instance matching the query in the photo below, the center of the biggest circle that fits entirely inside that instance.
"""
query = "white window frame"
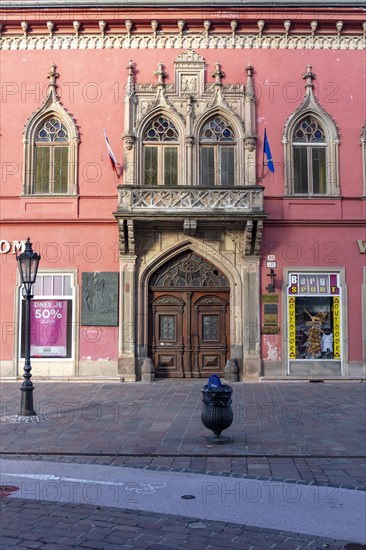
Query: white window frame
(72, 297)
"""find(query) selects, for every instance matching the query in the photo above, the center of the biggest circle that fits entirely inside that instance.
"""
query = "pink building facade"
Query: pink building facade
(160, 265)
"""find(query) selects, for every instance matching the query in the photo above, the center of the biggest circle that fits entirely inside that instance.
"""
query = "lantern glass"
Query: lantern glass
(28, 264)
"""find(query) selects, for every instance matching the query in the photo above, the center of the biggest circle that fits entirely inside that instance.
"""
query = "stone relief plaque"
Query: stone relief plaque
(99, 305)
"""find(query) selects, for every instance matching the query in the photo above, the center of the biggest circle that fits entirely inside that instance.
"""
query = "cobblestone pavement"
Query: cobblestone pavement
(54, 526)
(310, 433)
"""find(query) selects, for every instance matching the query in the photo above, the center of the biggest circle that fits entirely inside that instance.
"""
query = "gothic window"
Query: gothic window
(311, 142)
(217, 152)
(51, 157)
(161, 152)
(51, 139)
(309, 157)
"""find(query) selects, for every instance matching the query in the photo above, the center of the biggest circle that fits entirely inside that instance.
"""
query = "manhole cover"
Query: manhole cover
(188, 497)
(197, 525)
(355, 546)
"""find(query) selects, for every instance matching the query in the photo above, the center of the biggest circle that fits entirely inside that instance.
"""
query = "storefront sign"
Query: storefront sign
(291, 328)
(49, 323)
(336, 329)
(12, 246)
(312, 284)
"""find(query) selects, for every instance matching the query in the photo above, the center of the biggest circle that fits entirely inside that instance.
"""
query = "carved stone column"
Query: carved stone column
(127, 320)
(251, 319)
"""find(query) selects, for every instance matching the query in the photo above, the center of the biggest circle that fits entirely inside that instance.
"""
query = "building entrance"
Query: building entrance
(189, 319)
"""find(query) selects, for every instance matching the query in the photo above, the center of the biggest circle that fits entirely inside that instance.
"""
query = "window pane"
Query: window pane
(47, 285)
(319, 171)
(167, 328)
(57, 285)
(42, 169)
(37, 287)
(227, 166)
(60, 170)
(300, 170)
(210, 327)
(67, 285)
(170, 166)
(208, 165)
(151, 166)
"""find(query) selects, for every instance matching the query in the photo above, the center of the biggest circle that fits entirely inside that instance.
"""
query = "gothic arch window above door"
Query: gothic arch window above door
(217, 152)
(161, 146)
(188, 270)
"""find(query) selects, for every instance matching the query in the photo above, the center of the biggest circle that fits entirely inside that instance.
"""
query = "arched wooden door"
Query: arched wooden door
(189, 318)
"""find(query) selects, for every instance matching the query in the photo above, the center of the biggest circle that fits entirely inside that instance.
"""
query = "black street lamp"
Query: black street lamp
(28, 265)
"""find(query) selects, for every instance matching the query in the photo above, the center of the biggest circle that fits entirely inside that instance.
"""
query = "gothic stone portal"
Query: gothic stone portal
(189, 318)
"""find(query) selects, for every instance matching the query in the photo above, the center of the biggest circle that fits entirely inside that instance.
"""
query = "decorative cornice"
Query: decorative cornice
(178, 41)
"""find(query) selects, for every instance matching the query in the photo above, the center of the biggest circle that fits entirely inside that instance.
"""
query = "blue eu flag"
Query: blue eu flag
(268, 153)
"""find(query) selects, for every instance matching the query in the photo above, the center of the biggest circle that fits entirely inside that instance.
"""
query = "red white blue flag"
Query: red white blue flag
(112, 158)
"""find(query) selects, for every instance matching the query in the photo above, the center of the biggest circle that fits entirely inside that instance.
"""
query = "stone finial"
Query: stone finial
(287, 25)
(260, 25)
(130, 87)
(233, 26)
(249, 88)
(25, 28)
(218, 74)
(161, 74)
(147, 370)
(76, 25)
(339, 27)
(309, 76)
(52, 76)
(154, 26)
(50, 27)
(313, 26)
(181, 24)
(206, 26)
(102, 27)
(128, 25)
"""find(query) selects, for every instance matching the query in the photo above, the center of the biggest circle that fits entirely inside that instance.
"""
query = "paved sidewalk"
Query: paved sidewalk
(300, 432)
(292, 429)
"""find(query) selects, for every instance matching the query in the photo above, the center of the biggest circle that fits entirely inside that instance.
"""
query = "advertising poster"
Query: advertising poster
(48, 328)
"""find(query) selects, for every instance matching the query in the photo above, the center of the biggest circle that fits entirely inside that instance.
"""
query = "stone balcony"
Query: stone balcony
(198, 202)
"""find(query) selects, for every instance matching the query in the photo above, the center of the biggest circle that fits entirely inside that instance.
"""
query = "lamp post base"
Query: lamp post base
(26, 402)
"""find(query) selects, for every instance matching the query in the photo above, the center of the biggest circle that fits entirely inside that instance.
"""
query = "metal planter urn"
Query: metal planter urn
(217, 414)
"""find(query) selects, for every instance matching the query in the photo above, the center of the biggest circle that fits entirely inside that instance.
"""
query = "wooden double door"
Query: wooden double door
(189, 332)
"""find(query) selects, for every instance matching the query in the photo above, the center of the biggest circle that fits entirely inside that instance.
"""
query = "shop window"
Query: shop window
(309, 156)
(217, 152)
(161, 152)
(52, 310)
(314, 316)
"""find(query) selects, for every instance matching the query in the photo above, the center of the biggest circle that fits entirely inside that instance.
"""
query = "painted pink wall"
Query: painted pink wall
(92, 85)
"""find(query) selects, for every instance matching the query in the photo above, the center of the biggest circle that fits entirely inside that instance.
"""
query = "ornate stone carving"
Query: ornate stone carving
(197, 199)
(184, 40)
(129, 141)
(250, 144)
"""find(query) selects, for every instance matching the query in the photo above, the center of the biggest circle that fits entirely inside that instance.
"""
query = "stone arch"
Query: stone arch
(227, 268)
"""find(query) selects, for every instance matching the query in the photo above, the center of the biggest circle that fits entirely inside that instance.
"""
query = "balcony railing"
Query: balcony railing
(195, 200)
